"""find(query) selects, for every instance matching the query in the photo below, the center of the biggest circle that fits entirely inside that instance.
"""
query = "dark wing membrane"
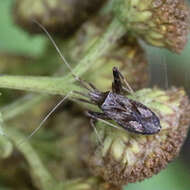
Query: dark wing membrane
(120, 109)
(148, 119)
(131, 115)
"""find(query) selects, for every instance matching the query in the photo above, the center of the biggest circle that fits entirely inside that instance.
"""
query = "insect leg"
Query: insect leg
(97, 116)
(92, 86)
(92, 123)
(47, 116)
(83, 100)
(84, 84)
(120, 84)
(81, 93)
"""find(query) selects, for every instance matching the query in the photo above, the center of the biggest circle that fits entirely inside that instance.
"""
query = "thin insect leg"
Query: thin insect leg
(120, 85)
(81, 93)
(83, 100)
(101, 117)
(117, 84)
(92, 123)
(87, 85)
(84, 84)
(95, 115)
(47, 116)
(93, 87)
(110, 124)
(129, 88)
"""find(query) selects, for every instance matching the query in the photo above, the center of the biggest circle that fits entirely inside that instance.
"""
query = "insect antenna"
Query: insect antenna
(83, 83)
(46, 117)
(90, 87)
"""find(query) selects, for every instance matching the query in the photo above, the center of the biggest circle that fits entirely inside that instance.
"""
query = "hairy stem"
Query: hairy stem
(62, 85)
(100, 47)
(49, 85)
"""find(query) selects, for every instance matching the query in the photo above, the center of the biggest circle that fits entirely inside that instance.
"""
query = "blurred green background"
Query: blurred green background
(177, 174)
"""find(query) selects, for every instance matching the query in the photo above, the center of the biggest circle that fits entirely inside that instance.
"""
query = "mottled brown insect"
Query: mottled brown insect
(127, 113)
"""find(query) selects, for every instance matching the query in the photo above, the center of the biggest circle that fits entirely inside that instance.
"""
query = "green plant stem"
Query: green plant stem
(38, 171)
(62, 85)
(50, 85)
(100, 47)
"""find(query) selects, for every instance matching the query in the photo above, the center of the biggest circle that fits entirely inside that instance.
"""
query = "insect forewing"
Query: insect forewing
(131, 115)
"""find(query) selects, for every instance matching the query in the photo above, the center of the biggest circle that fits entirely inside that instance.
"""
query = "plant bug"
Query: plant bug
(131, 115)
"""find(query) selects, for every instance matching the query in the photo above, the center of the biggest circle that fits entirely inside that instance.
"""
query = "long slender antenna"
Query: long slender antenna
(55, 45)
(83, 83)
(86, 85)
(47, 116)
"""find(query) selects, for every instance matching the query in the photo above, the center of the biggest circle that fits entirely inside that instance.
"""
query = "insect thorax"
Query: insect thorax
(98, 97)
(115, 100)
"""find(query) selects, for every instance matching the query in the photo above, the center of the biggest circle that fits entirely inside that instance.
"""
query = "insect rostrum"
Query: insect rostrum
(127, 113)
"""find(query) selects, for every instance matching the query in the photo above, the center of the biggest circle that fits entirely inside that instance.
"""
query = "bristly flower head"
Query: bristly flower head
(125, 157)
(162, 23)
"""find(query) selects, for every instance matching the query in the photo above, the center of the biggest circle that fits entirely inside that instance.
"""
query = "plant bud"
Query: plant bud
(161, 23)
(56, 16)
(127, 54)
(125, 157)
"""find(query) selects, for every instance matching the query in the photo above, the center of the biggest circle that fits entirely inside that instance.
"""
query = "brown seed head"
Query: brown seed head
(126, 157)
(162, 23)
